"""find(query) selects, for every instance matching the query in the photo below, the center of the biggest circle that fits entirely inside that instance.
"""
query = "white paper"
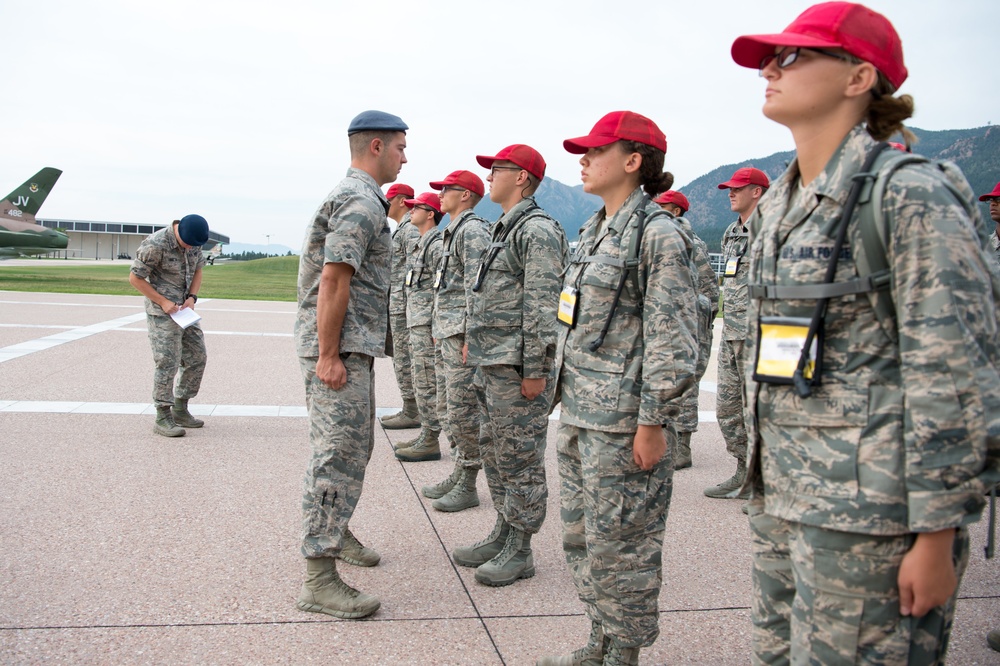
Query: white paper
(186, 317)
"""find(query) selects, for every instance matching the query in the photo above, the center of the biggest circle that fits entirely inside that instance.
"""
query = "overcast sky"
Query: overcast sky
(238, 110)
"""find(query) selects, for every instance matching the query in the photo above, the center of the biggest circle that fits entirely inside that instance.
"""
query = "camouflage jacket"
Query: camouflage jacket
(897, 438)
(348, 227)
(167, 266)
(512, 316)
(647, 361)
(735, 243)
(464, 240)
(707, 280)
(995, 246)
(424, 254)
(404, 234)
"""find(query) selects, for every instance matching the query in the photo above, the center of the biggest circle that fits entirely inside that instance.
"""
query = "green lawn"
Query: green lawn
(271, 279)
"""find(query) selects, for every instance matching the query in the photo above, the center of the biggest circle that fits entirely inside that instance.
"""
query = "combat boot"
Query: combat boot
(462, 496)
(425, 447)
(182, 416)
(592, 654)
(354, 552)
(728, 489)
(617, 655)
(484, 551)
(513, 563)
(683, 458)
(165, 424)
(407, 443)
(325, 592)
(408, 417)
(442, 488)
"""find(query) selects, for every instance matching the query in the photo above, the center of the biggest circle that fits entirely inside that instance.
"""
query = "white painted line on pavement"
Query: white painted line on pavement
(56, 339)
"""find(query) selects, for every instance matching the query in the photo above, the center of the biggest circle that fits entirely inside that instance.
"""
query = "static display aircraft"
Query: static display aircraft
(19, 234)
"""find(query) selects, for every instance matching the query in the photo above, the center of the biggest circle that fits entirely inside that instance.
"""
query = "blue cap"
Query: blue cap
(376, 121)
(193, 230)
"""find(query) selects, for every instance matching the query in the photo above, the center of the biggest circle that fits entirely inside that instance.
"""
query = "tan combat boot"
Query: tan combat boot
(729, 489)
(617, 655)
(402, 420)
(165, 424)
(182, 416)
(325, 592)
(513, 563)
(442, 488)
(462, 496)
(592, 654)
(482, 552)
(683, 458)
(354, 552)
(425, 447)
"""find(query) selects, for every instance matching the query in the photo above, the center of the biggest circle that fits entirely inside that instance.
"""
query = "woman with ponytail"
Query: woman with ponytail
(626, 353)
(874, 404)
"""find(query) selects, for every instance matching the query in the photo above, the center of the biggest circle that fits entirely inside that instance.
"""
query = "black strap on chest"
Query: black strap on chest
(446, 249)
(629, 267)
(423, 260)
(859, 179)
(500, 243)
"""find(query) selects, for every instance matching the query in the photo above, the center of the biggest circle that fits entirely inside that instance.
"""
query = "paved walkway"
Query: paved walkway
(119, 546)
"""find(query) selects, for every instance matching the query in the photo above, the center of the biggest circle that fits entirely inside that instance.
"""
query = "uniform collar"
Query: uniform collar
(367, 179)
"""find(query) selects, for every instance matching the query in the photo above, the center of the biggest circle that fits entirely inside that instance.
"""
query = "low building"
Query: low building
(110, 240)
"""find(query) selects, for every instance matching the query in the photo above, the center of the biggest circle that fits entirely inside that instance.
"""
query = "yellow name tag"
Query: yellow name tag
(409, 277)
(437, 279)
(779, 349)
(732, 267)
(567, 306)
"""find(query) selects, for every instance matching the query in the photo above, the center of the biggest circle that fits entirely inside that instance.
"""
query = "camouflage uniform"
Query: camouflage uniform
(729, 401)
(424, 254)
(708, 308)
(401, 359)
(349, 227)
(613, 511)
(170, 269)
(511, 334)
(995, 246)
(900, 438)
(464, 240)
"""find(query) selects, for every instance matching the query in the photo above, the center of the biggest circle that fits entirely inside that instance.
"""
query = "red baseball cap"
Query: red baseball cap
(397, 189)
(746, 176)
(858, 30)
(466, 179)
(994, 193)
(674, 197)
(427, 199)
(619, 126)
(523, 156)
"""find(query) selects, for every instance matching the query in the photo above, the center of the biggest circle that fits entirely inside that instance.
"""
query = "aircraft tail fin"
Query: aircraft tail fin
(28, 198)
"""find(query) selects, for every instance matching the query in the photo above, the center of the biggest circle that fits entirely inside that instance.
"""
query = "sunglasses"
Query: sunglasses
(788, 55)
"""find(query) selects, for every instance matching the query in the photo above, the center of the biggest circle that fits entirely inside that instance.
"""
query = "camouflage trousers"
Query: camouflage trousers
(177, 352)
(826, 597)
(513, 445)
(729, 403)
(687, 420)
(401, 358)
(463, 421)
(342, 438)
(425, 381)
(614, 515)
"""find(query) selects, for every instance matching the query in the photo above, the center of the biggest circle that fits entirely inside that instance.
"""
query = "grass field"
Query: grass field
(271, 279)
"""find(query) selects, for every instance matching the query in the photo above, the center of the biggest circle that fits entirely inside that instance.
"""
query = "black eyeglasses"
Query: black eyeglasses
(452, 187)
(494, 169)
(426, 208)
(991, 200)
(788, 55)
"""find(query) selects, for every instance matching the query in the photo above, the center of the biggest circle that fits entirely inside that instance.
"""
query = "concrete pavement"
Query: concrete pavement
(120, 546)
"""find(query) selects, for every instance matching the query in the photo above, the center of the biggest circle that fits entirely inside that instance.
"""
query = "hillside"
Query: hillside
(975, 151)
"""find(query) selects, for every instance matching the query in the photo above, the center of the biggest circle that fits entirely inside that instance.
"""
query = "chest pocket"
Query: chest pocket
(500, 300)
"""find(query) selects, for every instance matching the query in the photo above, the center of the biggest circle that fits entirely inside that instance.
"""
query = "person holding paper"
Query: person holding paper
(167, 271)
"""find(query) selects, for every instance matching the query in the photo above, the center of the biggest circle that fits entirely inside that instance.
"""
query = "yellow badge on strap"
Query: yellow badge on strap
(779, 346)
(732, 267)
(409, 278)
(567, 306)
